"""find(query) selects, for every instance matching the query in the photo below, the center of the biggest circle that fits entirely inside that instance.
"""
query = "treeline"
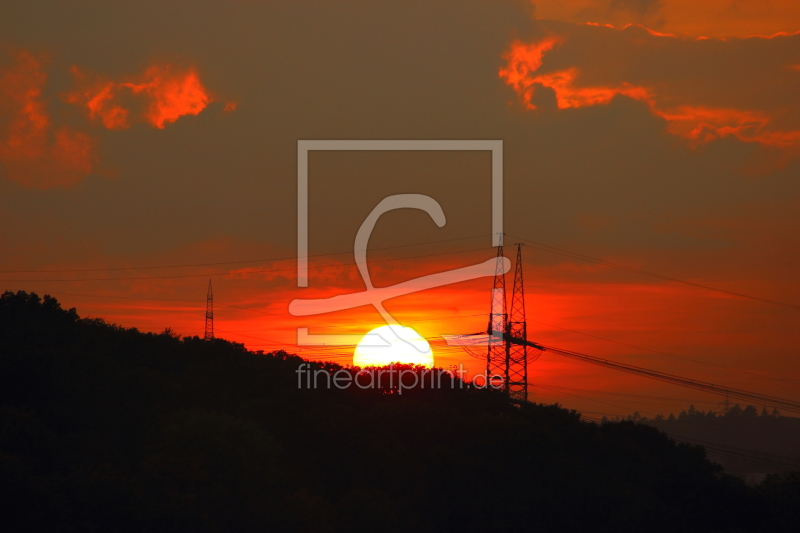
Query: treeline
(108, 429)
(744, 441)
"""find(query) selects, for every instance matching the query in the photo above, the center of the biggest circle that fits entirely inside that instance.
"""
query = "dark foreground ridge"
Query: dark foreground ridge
(109, 429)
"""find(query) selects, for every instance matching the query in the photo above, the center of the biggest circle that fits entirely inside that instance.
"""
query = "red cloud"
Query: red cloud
(568, 95)
(171, 94)
(697, 123)
(30, 150)
(652, 32)
(525, 59)
(39, 154)
(166, 92)
(97, 96)
(704, 124)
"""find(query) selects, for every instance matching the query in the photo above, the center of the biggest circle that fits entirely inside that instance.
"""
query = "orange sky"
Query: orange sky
(662, 135)
(594, 310)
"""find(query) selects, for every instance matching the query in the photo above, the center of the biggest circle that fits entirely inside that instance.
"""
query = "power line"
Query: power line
(272, 259)
(581, 397)
(629, 395)
(667, 354)
(123, 297)
(574, 255)
(586, 334)
(726, 451)
(708, 387)
(230, 272)
(771, 401)
(423, 320)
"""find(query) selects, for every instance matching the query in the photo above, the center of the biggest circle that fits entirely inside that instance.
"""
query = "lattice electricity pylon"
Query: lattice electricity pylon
(209, 334)
(517, 379)
(497, 356)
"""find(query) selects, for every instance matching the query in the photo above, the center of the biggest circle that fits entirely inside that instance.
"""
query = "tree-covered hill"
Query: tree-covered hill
(110, 429)
(743, 441)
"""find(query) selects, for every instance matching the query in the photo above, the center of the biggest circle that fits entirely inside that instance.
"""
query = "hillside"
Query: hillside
(110, 429)
(744, 442)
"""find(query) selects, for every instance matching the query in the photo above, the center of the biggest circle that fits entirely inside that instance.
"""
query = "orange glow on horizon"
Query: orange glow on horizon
(392, 344)
(568, 305)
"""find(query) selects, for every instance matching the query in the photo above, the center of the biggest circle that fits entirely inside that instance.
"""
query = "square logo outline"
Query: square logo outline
(305, 146)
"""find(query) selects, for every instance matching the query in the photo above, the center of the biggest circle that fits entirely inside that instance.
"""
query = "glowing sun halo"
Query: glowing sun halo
(393, 344)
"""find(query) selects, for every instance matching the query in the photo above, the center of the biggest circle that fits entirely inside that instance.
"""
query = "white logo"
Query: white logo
(376, 296)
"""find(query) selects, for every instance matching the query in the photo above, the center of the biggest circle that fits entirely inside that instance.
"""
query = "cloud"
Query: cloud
(97, 96)
(33, 151)
(688, 99)
(615, 12)
(709, 18)
(40, 154)
(640, 8)
(706, 124)
(159, 96)
(523, 60)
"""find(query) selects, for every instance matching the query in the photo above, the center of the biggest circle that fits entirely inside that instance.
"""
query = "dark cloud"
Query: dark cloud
(641, 8)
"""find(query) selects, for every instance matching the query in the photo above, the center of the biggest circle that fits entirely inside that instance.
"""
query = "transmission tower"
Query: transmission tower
(497, 357)
(726, 405)
(517, 378)
(209, 334)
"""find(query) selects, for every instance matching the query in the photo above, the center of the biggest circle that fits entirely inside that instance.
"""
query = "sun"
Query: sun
(393, 344)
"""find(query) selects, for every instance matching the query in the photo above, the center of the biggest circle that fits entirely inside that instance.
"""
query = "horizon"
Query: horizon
(640, 139)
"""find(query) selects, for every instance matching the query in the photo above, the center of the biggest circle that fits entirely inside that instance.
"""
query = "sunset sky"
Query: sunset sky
(146, 147)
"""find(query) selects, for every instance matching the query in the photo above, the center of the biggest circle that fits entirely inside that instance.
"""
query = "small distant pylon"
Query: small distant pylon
(209, 334)
(726, 405)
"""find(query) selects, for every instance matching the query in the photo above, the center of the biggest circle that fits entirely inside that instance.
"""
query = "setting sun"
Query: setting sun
(393, 344)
